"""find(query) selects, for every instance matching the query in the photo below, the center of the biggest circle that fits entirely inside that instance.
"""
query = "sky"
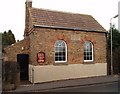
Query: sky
(12, 16)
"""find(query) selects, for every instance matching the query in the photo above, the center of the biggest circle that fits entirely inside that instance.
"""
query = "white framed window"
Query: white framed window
(88, 51)
(60, 51)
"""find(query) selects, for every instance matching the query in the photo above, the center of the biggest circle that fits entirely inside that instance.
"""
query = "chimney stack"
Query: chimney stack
(28, 4)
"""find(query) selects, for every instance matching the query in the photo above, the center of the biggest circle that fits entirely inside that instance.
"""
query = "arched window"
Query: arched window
(88, 51)
(60, 50)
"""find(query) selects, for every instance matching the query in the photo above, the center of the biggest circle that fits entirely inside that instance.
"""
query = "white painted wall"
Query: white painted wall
(39, 74)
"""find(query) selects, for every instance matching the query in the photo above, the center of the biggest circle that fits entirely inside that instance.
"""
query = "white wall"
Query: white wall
(39, 74)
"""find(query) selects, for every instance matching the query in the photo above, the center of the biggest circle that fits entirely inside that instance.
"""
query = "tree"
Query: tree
(8, 38)
(116, 49)
(11, 38)
(115, 37)
(4, 40)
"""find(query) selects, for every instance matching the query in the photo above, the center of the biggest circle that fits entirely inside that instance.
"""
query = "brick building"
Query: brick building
(71, 45)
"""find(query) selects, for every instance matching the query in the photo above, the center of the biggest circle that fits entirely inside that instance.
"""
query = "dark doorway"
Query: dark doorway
(23, 60)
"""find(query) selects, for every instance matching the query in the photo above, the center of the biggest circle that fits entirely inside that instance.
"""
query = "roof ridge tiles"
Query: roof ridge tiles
(60, 11)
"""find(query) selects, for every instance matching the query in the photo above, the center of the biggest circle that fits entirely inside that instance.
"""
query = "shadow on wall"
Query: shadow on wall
(10, 75)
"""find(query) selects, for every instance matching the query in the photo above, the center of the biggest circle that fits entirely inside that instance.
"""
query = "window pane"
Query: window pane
(87, 58)
(56, 49)
(64, 53)
(91, 53)
(56, 54)
(84, 57)
(64, 58)
(56, 58)
(90, 57)
(60, 58)
(87, 53)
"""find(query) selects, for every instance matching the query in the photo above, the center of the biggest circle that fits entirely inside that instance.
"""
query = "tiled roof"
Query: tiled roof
(48, 18)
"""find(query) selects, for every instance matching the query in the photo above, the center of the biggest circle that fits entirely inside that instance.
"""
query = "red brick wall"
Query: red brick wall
(44, 39)
(10, 53)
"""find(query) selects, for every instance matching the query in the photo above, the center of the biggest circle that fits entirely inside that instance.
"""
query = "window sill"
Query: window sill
(60, 63)
(89, 62)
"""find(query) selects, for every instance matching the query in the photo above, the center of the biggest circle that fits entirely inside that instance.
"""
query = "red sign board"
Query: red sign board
(41, 57)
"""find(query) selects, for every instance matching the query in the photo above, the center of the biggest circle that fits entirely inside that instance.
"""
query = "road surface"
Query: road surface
(106, 87)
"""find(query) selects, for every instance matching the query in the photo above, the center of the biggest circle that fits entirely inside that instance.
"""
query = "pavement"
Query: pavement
(28, 87)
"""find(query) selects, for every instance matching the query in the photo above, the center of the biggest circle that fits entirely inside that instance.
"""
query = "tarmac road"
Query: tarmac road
(107, 87)
(91, 84)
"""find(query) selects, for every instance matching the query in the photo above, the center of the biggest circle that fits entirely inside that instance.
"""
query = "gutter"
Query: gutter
(67, 28)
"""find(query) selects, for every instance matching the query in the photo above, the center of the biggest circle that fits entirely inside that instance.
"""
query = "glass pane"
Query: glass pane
(90, 47)
(64, 53)
(61, 49)
(87, 54)
(90, 53)
(63, 44)
(60, 59)
(87, 57)
(56, 49)
(85, 48)
(90, 57)
(64, 58)
(56, 59)
(84, 57)
(60, 53)
(56, 54)
(57, 44)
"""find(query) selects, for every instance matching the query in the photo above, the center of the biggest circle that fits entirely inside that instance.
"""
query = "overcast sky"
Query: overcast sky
(12, 14)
